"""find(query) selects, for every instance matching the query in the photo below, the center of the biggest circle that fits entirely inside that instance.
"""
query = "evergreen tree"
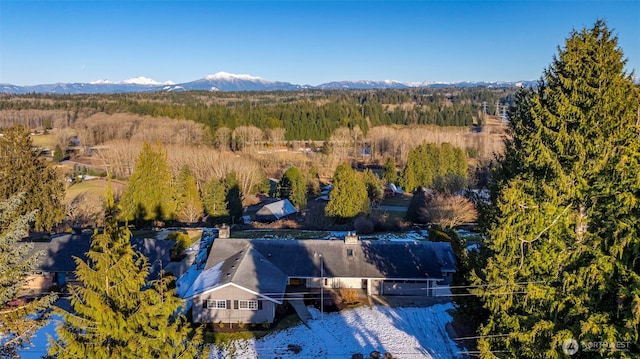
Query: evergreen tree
(188, 205)
(233, 197)
(293, 186)
(390, 174)
(116, 312)
(58, 155)
(419, 201)
(22, 170)
(149, 194)
(429, 163)
(348, 196)
(313, 181)
(215, 202)
(373, 185)
(18, 320)
(564, 230)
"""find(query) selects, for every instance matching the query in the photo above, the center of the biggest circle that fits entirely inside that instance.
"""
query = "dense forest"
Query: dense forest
(304, 115)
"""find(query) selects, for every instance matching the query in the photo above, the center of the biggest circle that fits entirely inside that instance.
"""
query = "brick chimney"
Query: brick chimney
(351, 238)
(224, 231)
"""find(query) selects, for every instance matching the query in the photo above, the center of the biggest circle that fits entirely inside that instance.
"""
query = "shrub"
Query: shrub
(363, 225)
(182, 242)
(349, 295)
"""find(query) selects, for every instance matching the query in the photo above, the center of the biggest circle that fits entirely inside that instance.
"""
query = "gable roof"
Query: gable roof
(276, 210)
(364, 259)
(246, 269)
(157, 251)
(59, 253)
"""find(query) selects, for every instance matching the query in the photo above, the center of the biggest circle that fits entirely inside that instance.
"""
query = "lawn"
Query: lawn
(399, 201)
(93, 188)
(45, 141)
(389, 214)
(255, 331)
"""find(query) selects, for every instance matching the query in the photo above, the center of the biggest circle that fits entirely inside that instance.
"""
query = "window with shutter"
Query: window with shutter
(248, 304)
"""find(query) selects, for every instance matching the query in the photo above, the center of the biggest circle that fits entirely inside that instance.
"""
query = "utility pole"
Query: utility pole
(321, 289)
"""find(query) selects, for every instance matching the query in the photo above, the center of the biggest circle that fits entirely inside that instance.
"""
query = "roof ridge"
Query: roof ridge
(232, 268)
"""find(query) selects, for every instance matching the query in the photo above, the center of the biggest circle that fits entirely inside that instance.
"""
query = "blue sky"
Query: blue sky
(303, 42)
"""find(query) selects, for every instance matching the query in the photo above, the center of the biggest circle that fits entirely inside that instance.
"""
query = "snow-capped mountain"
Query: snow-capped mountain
(141, 80)
(224, 81)
(363, 84)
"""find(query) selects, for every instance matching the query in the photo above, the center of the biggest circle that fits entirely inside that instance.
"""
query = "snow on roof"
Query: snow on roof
(207, 279)
(277, 209)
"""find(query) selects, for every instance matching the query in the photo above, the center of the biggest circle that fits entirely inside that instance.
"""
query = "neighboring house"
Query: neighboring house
(157, 251)
(57, 264)
(275, 211)
(245, 279)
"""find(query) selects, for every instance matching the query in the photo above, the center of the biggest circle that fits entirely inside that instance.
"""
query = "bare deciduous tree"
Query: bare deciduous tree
(275, 135)
(448, 211)
(247, 137)
(222, 138)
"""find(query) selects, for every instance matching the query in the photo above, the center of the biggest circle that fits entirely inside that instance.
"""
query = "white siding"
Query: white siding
(231, 315)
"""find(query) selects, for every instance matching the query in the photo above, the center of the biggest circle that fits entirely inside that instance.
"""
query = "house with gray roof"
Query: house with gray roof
(244, 280)
(275, 211)
(57, 263)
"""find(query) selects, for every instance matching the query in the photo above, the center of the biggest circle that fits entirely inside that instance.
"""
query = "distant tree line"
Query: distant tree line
(304, 115)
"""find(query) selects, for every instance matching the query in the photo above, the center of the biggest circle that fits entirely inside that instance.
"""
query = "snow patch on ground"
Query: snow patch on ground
(403, 332)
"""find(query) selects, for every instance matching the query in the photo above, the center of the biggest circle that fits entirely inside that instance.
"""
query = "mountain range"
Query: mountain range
(223, 81)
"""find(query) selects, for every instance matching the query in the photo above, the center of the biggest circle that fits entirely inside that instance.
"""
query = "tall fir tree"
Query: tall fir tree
(313, 181)
(564, 230)
(116, 313)
(430, 163)
(349, 195)
(233, 197)
(214, 201)
(373, 184)
(188, 204)
(23, 170)
(390, 173)
(18, 319)
(149, 195)
(58, 155)
(293, 186)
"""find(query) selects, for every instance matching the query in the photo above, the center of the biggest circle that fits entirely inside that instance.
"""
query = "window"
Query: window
(349, 252)
(221, 304)
(248, 304)
(216, 304)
